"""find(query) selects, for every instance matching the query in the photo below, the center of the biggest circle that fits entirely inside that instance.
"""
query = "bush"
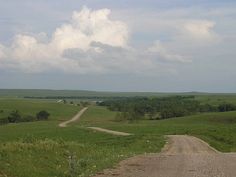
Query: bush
(173, 112)
(42, 115)
(84, 103)
(208, 108)
(131, 116)
(14, 117)
(226, 107)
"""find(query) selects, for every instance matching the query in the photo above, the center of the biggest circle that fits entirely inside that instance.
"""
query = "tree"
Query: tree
(42, 115)
(14, 117)
(226, 107)
(84, 103)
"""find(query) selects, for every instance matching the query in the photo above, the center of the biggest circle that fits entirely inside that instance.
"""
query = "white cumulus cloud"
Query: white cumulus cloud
(89, 43)
(31, 54)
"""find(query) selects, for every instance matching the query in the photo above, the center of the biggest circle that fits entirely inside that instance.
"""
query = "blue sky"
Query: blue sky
(135, 45)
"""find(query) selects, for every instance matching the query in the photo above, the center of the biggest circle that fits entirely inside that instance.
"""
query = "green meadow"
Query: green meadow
(41, 148)
(31, 107)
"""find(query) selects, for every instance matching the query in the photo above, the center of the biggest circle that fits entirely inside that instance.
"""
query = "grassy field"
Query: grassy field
(38, 149)
(218, 129)
(31, 107)
(216, 99)
(16, 93)
(85, 93)
(48, 148)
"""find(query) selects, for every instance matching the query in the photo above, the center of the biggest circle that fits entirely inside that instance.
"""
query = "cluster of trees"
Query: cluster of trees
(160, 108)
(81, 103)
(16, 117)
(74, 97)
(226, 107)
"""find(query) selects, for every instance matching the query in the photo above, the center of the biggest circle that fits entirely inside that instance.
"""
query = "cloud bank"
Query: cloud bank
(91, 42)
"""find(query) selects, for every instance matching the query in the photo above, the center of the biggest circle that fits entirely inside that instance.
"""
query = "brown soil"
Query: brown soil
(183, 156)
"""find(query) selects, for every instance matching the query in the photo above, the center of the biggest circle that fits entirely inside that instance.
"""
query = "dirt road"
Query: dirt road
(75, 118)
(110, 131)
(183, 156)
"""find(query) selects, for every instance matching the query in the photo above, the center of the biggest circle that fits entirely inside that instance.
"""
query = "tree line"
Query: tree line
(15, 117)
(161, 108)
(75, 97)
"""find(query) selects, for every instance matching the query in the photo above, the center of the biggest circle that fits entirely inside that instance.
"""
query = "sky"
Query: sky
(125, 45)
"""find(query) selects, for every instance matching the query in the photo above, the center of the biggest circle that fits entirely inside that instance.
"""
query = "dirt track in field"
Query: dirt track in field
(74, 119)
(183, 156)
(109, 131)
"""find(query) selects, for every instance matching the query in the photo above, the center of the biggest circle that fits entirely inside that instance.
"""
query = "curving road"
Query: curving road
(74, 119)
(183, 156)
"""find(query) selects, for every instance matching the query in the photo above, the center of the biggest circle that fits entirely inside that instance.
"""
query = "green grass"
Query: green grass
(16, 93)
(218, 129)
(80, 93)
(43, 149)
(38, 149)
(216, 99)
(97, 115)
(31, 107)
(98, 151)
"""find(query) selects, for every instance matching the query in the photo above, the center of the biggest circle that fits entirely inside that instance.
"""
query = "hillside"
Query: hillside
(86, 93)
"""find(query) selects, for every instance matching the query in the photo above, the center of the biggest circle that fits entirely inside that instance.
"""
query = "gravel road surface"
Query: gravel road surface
(183, 156)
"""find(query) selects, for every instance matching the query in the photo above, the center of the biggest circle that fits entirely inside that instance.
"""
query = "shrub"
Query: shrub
(131, 116)
(42, 115)
(14, 117)
(226, 107)
(208, 108)
(84, 103)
